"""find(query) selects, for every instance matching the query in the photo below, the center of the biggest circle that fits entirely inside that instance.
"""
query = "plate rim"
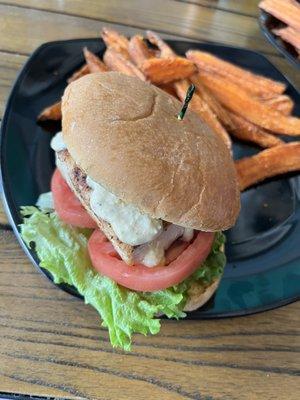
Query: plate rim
(6, 196)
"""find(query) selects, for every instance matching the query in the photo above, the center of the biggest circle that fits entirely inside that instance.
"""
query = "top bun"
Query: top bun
(124, 133)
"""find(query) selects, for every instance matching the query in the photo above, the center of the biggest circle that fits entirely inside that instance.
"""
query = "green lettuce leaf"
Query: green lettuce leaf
(62, 250)
(213, 266)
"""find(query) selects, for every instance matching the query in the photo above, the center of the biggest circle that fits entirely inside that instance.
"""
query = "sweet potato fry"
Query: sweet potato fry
(207, 111)
(199, 106)
(268, 163)
(254, 84)
(287, 11)
(117, 62)
(52, 112)
(166, 70)
(84, 70)
(139, 51)
(169, 88)
(115, 40)
(214, 104)
(246, 131)
(289, 35)
(240, 102)
(282, 103)
(165, 49)
(94, 63)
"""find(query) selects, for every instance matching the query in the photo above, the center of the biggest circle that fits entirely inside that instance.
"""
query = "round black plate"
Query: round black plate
(263, 248)
(267, 23)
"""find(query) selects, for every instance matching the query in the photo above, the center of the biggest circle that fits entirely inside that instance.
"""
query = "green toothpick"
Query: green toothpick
(188, 98)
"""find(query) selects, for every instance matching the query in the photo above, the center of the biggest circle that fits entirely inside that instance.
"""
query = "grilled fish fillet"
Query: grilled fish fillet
(76, 179)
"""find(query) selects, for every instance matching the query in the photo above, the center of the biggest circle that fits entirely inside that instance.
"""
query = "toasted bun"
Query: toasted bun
(198, 295)
(125, 135)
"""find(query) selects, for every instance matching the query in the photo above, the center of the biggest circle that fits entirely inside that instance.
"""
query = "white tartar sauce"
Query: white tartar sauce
(153, 253)
(153, 256)
(57, 143)
(129, 224)
(45, 201)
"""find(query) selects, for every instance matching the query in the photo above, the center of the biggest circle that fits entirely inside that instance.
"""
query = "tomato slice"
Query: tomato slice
(66, 204)
(141, 278)
(175, 250)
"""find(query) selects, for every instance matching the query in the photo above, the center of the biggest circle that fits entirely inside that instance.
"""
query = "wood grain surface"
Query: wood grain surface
(51, 344)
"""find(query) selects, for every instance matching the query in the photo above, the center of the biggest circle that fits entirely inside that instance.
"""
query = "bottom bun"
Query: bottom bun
(199, 295)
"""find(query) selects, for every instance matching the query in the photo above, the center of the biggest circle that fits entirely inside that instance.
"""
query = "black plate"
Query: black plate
(263, 248)
(267, 22)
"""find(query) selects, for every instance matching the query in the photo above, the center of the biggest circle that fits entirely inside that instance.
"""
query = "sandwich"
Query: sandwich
(140, 200)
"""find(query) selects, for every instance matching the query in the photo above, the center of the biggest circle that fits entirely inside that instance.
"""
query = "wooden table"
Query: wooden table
(50, 343)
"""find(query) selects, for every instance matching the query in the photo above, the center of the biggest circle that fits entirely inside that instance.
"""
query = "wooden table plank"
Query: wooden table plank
(244, 7)
(10, 65)
(14, 21)
(3, 218)
(78, 19)
(59, 349)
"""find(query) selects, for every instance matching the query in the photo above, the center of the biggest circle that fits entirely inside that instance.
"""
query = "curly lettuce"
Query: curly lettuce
(62, 250)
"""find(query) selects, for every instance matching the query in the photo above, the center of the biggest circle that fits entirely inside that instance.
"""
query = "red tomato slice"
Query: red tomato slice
(142, 278)
(66, 204)
(175, 250)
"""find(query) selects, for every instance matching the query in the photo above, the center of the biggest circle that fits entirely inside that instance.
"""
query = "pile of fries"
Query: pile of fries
(288, 12)
(232, 101)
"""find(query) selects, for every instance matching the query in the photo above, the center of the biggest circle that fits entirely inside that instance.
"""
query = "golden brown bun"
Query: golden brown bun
(198, 295)
(124, 134)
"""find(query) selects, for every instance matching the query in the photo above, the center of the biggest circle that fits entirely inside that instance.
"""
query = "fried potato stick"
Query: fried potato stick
(246, 131)
(200, 107)
(52, 112)
(94, 63)
(116, 41)
(202, 102)
(84, 70)
(290, 35)
(139, 51)
(287, 11)
(268, 163)
(117, 62)
(240, 102)
(282, 103)
(169, 88)
(255, 84)
(165, 49)
(214, 104)
(166, 70)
